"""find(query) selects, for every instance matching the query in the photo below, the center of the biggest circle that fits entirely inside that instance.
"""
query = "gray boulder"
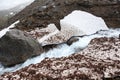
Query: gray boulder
(73, 39)
(17, 46)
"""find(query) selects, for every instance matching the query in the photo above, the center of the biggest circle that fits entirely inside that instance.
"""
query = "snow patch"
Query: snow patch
(52, 29)
(11, 13)
(3, 32)
(82, 23)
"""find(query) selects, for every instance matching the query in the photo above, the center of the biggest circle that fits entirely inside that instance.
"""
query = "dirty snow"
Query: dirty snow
(82, 23)
(52, 29)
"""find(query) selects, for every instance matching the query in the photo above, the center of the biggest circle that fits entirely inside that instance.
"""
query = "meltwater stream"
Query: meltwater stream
(63, 50)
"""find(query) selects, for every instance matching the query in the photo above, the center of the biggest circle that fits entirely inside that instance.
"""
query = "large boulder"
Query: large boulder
(17, 46)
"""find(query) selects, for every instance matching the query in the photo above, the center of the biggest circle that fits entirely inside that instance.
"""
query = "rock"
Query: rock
(51, 46)
(17, 46)
(72, 40)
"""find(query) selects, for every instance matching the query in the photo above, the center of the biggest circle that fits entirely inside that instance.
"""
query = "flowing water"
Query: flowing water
(63, 50)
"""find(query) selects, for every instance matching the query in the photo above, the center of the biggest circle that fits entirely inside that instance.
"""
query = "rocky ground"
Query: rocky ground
(99, 61)
(43, 12)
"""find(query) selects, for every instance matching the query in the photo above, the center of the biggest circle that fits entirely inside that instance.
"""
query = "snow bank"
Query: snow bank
(82, 23)
(3, 32)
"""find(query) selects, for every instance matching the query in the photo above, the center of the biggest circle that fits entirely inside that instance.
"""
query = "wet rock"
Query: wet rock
(17, 46)
(51, 46)
(72, 40)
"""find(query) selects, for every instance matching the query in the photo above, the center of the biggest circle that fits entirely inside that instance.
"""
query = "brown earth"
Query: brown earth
(84, 65)
(42, 12)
